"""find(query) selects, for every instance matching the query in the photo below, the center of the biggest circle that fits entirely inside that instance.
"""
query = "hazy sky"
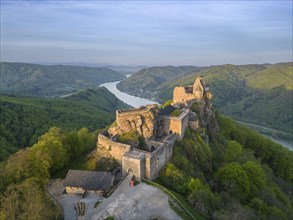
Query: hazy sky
(147, 32)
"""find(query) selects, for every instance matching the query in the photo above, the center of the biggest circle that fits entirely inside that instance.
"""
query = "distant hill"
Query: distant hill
(52, 81)
(24, 119)
(148, 79)
(258, 93)
(125, 69)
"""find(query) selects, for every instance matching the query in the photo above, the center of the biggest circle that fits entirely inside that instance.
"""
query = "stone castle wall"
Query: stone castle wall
(117, 150)
(134, 163)
(141, 120)
(141, 163)
(196, 92)
(176, 125)
(154, 162)
(179, 95)
(150, 124)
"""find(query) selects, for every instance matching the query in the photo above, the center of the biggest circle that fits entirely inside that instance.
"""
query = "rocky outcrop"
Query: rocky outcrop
(206, 117)
(193, 122)
(143, 121)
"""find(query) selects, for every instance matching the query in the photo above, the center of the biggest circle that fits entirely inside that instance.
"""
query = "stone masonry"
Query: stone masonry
(160, 129)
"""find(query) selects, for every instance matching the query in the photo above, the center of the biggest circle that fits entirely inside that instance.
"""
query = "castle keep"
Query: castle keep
(156, 130)
(190, 94)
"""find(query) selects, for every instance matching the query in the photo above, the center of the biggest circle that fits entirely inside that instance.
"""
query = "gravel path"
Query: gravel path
(142, 202)
(139, 202)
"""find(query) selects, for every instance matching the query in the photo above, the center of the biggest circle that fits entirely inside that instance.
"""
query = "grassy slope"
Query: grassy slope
(43, 80)
(24, 119)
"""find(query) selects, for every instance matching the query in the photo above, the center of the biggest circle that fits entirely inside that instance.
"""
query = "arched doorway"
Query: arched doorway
(130, 171)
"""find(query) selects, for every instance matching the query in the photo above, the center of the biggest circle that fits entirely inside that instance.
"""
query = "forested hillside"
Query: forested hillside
(241, 175)
(260, 94)
(148, 79)
(25, 175)
(52, 81)
(24, 119)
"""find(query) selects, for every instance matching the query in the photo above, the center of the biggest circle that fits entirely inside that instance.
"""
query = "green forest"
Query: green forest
(24, 119)
(24, 176)
(52, 80)
(238, 175)
(241, 175)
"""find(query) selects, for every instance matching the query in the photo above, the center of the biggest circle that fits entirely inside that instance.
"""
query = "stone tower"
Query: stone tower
(198, 88)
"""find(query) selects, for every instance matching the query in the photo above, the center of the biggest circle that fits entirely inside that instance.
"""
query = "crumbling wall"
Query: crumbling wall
(141, 120)
(117, 150)
(179, 95)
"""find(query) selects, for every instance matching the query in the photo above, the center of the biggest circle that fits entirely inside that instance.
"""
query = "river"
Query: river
(136, 102)
(131, 100)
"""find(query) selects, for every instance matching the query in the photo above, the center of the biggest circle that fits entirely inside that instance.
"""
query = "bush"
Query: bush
(233, 151)
(233, 178)
(173, 178)
(176, 113)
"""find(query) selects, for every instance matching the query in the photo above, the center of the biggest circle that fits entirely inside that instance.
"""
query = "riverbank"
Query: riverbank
(131, 100)
(279, 137)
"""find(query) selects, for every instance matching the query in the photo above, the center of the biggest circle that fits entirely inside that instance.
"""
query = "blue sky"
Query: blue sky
(147, 32)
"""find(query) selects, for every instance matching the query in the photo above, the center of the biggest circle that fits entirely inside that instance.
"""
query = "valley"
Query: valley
(24, 119)
(146, 110)
(260, 93)
(202, 183)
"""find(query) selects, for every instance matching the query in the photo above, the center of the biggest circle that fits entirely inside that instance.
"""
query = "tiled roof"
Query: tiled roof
(90, 180)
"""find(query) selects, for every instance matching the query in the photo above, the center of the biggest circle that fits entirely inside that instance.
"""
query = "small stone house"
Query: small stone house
(79, 181)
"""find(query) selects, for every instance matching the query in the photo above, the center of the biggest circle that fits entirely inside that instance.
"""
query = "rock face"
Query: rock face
(207, 117)
(142, 120)
(193, 122)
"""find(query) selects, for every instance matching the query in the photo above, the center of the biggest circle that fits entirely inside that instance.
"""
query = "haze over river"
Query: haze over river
(136, 102)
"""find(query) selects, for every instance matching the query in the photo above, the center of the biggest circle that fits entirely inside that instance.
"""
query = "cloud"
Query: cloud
(147, 31)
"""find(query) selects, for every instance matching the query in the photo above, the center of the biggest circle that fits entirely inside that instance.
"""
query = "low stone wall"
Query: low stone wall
(117, 150)
(143, 164)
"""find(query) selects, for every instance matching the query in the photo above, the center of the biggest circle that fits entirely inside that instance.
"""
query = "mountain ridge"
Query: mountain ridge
(52, 80)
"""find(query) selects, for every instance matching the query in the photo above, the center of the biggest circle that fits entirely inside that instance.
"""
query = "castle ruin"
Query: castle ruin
(159, 128)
